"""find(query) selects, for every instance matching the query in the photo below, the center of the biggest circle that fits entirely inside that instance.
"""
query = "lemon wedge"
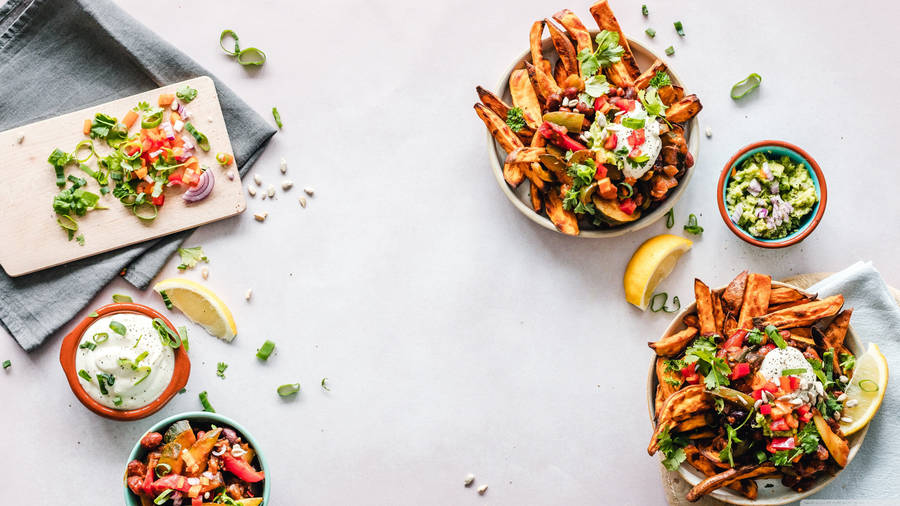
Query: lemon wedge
(200, 305)
(867, 387)
(650, 264)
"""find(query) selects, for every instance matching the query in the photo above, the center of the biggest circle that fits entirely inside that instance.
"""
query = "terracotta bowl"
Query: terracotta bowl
(69, 349)
(809, 223)
(776, 494)
(519, 196)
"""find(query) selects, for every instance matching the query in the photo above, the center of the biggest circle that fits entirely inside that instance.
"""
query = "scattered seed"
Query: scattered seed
(271, 192)
(283, 166)
(469, 479)
(261, 216)
(842, 398)
(852, 402)
(204, 272)
(287, 185)
(847, 419)
(264, 196)
(208, 119)
(843, 379)
(251, 190)
(309, 190)
(302, 202)
(230, 175)
(482, 489)
(257, 179)
(174, 105)
(21, 138)
(708, 132)
(248, 294)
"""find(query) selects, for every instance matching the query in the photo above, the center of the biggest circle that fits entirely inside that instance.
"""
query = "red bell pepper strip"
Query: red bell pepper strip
(196, 501)
(557, 135)
(610, 142)
(765, 409)
(740, 370)
(780, 444)
(147, 486)
(158, 201)
(779, 424)
(241, 469)
(173, 481)
(628, 206)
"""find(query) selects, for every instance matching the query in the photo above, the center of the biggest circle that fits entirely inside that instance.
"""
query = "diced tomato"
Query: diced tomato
(791, 421)
(803, 409)
(781, 443)
(785, 382)
(766, 349)
(689, 370)
(736, 340)
(610, 142)
(806, 416)
(757, 395)
(158, 201)
(601, 104)
(624, 104)
(600, 174)
(627, 206)
(692, 380)
(770, 387)
(779, 424)
(765, 409)
(794, 382)
(637, 137)
(740, 370)
(196, 501)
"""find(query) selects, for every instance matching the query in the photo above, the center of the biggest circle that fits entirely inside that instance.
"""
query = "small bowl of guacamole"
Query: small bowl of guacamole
(772, 194)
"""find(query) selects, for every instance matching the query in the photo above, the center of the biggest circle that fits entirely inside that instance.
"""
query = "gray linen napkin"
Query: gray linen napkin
(876, 318)
(58, 56)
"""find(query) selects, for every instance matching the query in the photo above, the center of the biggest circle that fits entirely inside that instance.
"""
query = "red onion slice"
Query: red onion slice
(202, 190)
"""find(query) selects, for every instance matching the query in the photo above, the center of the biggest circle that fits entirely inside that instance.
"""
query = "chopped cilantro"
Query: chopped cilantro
(660, 79)
(220, 369)
(672, 448)
(608, 52)
(714, 369)
(191, 256)
(755, 337)
(848, 361)
(186, 93)
(515, 119)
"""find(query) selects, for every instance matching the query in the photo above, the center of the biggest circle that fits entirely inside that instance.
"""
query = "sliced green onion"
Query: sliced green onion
(237, 46)
(88, 345)
(693, 227)
(162, 469)
(138, 341)
(324, 385)
(123, 149)
(742, 88)
(68, 223)
(84, 374)
(141, 357)
(277, 116)
(102, 337)
(202, 140)
(670, 218)
(659, 301)
(145, 211)
(251, 56)
(670, 51)
(677, 302)
(152, 120)
(644, 10)
(220, 369)
(168, 336)
(265, 350)
(118, 328)
(629, 190)
(117, 400)
(792, 372)
(144, 369)
(871, 386)
(204, 400)
(7, 364)
(650, 32)
(633, 123)
(124, 362)
(775, 336)
(222, 158)
(60, 175)
(117, 297)
(93, 314)
(87, 143)
(679, 28)
(166, 300)
(182, 331)
(103, 380)
(289, 389)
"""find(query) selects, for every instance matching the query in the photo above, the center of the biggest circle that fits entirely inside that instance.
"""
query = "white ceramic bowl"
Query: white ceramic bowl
(519, 196)
(777, 494)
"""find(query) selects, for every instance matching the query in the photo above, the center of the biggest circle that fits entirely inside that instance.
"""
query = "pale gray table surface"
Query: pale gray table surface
(456, 335)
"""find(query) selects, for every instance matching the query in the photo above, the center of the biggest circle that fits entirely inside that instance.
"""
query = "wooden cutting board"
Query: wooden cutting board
(31, 238)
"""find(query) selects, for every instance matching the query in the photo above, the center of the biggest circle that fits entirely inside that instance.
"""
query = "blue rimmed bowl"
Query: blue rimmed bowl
(200, 419)
(775, 148)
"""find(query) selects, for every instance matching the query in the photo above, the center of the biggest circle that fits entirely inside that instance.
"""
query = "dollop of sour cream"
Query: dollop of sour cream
(125, 357)
(781, 359)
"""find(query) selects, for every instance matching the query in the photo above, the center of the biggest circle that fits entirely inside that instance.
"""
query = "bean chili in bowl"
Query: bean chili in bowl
(195, 460)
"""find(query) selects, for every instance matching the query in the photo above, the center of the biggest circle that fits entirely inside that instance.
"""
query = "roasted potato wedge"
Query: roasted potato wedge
(623, 72)
(756, 299)
(643, 80)
(537, 200)
(728, 477)
(684, 109)
(674, 344)
(508, 140)
(525, 98)
(746, 488)
(565, 49)
(733, 296)
(671, 94)
(802, 315)
(536, 45)
(679, 406)
(837, 447)
(576, 29)
(705, 314)
(565, 221)
(543, 82)
(784, 294)
(718, 313)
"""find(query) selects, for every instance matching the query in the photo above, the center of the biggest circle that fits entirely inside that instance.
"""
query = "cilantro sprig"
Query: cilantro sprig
(715, 370)
(672, 448)
(608, 52)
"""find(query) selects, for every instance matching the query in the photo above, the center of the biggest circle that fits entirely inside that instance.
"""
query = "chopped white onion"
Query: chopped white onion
(754, 187)
(178, 125)
(736, 213)
(775, 188)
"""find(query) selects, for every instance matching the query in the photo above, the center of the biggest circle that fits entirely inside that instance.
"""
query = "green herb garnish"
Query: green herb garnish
(324, 385)
(182, 331)
(118, 328)
(672, 448)
(714, 369)
(644, 10)
(121, 298)
(288, 389)
(204, 400)
(659, 300)
(742, 88)
(186, 93)
(515, 119)
(7, 364)
(220, 369)
(265, 350)
(793, 372)
(277, 117)
(660, 79)
(650, 32)
(85, 375)
(670, 218)
(775, 336)
(102, 337)
(168, 336)
(87, 345)
(190, 257)
(105, 380)
(679, 28)
(670, 51)
(608, 52)
(693, 227)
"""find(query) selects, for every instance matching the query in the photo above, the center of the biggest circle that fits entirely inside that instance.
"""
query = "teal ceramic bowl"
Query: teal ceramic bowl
(200, 419)
(775, 148)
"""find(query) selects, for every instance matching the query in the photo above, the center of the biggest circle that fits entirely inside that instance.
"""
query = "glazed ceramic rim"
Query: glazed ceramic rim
(725, 495)
(131, 499)
(496, 156)
(796, 237)
(69, 349)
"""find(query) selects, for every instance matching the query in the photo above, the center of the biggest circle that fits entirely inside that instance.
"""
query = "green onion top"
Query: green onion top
(670, 51)
(84, 374)
(7, 364)
(868, 385)
(101, 337)
(168, 336)
(265, 350)
(679, 28)
(88, 345)
(204, 400)
(742, 88)
(117, 297)
(650, 32)
(793, 372)
(277, 116)
(118, 328)
(230, 34)
(693, 227)
(288, 389)
(775, 336)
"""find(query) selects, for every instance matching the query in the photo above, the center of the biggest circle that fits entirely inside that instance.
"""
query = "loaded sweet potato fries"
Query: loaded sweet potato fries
(752, 387)
(196, 467)
(600, 142)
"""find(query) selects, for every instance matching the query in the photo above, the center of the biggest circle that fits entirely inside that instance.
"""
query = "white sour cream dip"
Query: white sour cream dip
(126, 358)
(778, 360)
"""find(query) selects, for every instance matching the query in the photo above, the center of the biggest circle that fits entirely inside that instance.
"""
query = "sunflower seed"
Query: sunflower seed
(843, 379)
(842, 398)
(257, 179)
(847, 419)
(205, 273)
(287, 185)
(283, 166)
(21, 138)
(302, 202)
(261, 216)
(852, 402)
(469, 479)
(271, 191)
(482, 489)
(248, 294)
(230, 175)
(708, 132)
(309, 190)
(252, 191)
